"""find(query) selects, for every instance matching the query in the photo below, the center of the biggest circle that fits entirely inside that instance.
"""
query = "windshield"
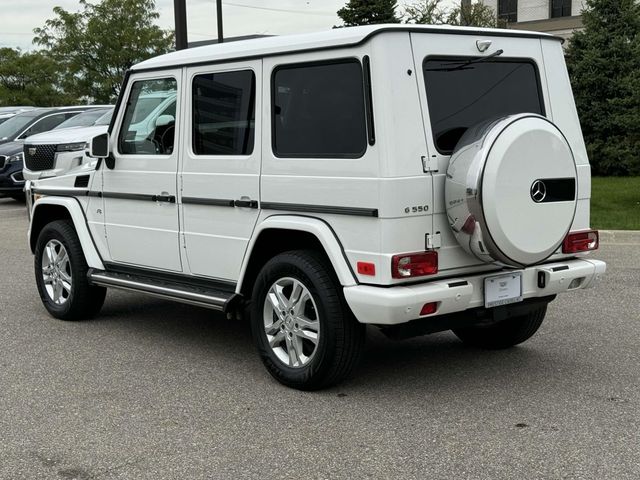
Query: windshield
(15, 125)
(105, 119)
(461, 94)
(85, 119)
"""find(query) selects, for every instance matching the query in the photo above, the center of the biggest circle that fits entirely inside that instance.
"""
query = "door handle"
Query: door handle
(164, 198)
(245, 203)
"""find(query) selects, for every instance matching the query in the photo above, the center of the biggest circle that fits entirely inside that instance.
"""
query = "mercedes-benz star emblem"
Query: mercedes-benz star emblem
(538, 191)
(32, 151)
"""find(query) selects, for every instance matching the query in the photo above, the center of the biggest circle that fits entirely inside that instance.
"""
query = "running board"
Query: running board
(214, 299)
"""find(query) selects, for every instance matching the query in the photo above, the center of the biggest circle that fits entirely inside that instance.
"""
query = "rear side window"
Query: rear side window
(224, 113)
(318, 110)
(462, 95)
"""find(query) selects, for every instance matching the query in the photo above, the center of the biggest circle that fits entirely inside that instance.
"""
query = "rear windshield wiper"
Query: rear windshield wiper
(461, 66)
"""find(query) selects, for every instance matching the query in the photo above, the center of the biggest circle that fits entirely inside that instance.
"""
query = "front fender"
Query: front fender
(320, 229)
(39, 214)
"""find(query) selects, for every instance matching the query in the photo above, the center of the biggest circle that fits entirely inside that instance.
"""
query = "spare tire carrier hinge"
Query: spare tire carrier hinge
(432, 241)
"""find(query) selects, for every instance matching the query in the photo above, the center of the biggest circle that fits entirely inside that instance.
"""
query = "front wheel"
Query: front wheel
(504, 334)
(61, 274)
(305, 333)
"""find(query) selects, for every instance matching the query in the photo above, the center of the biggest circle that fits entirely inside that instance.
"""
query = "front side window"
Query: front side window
(508, 10)
(462, 94)
(318, 110)
(224, 113)
(148, 126)
(560, 8)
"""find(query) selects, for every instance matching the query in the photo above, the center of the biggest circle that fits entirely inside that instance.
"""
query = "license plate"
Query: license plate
(503, 289)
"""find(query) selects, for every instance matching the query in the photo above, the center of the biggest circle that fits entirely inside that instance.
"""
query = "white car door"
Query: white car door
(139, 192)
(220, 172)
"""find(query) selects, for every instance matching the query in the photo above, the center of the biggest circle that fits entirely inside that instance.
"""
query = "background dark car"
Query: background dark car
(12, 135)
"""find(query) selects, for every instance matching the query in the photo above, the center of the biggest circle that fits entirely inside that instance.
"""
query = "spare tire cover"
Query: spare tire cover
(510, 190)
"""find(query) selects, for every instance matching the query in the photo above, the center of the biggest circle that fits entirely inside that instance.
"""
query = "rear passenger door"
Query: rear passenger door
(220, 171)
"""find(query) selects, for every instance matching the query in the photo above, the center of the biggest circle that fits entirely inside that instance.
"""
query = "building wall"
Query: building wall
(529, 10)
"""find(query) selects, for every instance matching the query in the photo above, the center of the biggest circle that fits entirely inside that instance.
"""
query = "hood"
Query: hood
(11, 148)
(67, 135)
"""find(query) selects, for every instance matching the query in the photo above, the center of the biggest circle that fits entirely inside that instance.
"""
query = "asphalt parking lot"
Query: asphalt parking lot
(156, 390)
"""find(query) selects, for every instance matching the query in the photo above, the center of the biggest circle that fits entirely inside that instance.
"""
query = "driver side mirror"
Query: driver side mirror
(99, 148)
(165, 120)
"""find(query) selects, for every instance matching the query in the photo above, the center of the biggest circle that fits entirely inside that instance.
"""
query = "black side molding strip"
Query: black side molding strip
(298, 207)
(80, 192)
(216, 202)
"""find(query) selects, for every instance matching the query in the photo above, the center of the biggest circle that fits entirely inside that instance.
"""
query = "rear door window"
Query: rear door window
(461, 95)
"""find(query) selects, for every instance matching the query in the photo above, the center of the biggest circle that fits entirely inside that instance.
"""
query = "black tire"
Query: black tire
(83, 301)
(19, 197)
(341, 338)
(504, 334)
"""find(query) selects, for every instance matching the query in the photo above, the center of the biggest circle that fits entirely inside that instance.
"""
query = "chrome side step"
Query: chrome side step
(214, 299)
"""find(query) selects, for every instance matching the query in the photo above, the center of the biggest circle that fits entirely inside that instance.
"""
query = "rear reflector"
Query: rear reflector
(581, 241)
(414, 264)
(429, 308)
(367, 268)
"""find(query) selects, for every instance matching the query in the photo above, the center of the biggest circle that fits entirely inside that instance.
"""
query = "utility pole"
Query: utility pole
(219, 15)
(180, 14)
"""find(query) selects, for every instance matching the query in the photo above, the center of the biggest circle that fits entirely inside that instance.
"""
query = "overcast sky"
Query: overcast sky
(241, 17)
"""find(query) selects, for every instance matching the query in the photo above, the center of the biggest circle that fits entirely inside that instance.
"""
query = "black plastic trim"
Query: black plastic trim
(224, 285)
(458, 284)
(368, 100)
(214, 202)
(299, 207)
(129, 196)
(561, 268)
(61, 192)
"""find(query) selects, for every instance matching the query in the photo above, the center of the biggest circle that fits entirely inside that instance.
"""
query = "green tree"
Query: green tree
(432, 12)
(604, 66)
(97, 44)
(366, 12)
(30, 78)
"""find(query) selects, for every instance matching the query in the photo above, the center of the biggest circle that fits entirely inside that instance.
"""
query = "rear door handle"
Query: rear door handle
(245, 203)
(164, 198)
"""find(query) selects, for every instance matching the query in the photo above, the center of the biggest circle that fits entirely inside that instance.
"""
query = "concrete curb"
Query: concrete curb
(620, 237)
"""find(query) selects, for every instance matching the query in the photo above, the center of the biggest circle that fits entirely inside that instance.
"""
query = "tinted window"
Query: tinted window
(85, 119)
(15, 125)
(560, 8)
(508, 10)
(460, 96)
(318, 110)
(145, 130)
(47, 123)
(224, 113)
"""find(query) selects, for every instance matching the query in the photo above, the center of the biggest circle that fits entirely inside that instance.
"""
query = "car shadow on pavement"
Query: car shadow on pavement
(437, 359)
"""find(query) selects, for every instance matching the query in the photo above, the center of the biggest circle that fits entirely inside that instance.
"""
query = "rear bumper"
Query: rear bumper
(395, 305)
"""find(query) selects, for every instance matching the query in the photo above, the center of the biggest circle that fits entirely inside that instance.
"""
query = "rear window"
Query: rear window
(462, 95)
(318, 110)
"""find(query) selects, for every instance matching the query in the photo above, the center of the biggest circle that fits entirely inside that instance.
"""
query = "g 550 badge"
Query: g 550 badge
(417, 209)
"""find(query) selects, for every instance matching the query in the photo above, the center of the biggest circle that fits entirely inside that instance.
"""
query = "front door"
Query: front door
(140, 204)
(220, 173)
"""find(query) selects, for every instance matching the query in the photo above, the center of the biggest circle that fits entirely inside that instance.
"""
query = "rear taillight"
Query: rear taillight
(581, 241)
(414, 264)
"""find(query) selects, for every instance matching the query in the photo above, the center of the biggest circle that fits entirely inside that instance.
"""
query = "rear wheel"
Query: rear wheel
(305, 333)
(61, 274)
(504, 334)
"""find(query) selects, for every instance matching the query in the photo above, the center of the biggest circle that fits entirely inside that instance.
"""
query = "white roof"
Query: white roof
(336, 37)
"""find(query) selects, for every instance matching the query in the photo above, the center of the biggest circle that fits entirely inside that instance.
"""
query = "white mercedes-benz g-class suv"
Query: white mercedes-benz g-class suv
(418, 179)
